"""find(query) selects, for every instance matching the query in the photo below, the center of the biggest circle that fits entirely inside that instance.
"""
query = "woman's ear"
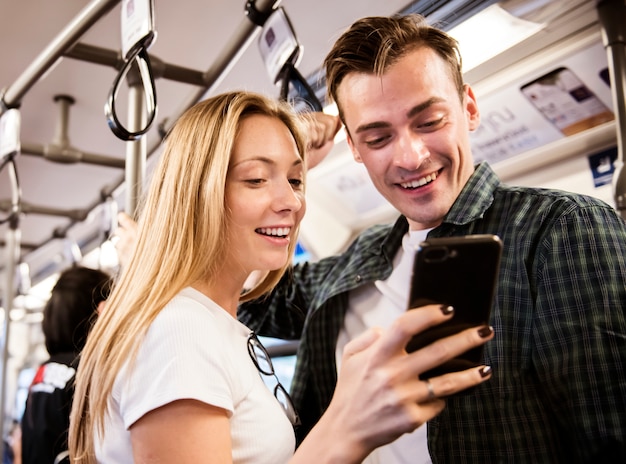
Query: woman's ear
(101, 307)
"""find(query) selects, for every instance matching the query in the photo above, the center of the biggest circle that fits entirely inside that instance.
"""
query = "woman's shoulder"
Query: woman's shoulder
(192, 316)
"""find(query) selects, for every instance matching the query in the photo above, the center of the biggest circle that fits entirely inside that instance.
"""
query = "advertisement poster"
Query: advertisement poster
(564, 100)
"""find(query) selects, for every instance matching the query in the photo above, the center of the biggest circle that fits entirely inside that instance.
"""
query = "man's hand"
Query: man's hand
(321, 129)
(126, 237)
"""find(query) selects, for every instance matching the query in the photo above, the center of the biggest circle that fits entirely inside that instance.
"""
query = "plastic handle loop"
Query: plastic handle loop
(291, 75)
(139, 56)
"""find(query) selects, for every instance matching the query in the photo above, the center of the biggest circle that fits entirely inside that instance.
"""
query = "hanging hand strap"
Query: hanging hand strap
(291, 75)
(140, 57)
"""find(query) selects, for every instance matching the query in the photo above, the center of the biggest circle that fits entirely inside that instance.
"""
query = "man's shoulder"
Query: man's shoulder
(377, 232)
(560, 199)
(367, 243)
(370, 251)
(379, 238)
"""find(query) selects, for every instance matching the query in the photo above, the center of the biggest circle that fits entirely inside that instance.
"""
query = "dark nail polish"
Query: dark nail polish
(485, 371)
(446, 309)
(485, 331)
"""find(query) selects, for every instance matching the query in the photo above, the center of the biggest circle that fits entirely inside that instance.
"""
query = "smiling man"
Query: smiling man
(410, 128)
(558, 392)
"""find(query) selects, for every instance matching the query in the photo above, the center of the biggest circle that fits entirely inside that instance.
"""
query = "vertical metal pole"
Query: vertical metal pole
(12, 254)
(612, 14)
(136, 150)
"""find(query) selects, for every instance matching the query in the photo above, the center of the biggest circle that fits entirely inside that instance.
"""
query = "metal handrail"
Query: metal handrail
(612, 14)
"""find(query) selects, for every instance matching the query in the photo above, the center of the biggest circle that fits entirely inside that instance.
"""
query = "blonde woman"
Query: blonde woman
(169, 374)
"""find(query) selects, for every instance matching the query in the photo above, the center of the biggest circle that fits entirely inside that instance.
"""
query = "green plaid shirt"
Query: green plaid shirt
(558, 392)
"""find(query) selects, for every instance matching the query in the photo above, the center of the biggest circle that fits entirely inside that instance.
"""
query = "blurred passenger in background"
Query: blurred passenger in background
(76, 299)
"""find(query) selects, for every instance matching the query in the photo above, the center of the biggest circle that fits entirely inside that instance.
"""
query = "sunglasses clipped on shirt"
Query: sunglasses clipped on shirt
(263, 362)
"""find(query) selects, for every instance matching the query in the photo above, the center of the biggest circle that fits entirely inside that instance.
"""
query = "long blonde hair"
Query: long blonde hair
(180, 233)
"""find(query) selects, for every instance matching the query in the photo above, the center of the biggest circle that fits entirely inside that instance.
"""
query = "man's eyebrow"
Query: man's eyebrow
(411, 113)
(372, 125)
(423, 106)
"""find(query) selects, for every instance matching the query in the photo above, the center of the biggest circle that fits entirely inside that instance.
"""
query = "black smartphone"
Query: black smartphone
(461, 272)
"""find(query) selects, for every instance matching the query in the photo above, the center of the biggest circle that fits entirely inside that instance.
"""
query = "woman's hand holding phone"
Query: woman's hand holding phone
(379, 386)
(461, 272)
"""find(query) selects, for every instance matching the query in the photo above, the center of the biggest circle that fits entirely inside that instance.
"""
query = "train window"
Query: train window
(24, 379)
(301, 253)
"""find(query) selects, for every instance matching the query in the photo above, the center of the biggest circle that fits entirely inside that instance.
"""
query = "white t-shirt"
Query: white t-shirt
(195, 349)
(377, 305)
